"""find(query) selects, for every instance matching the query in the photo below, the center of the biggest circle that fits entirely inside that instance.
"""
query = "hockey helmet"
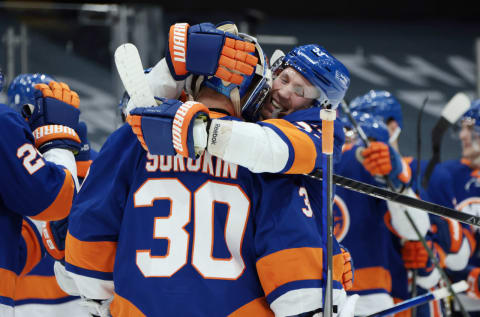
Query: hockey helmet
(21, 90)
(379, 103)
(326, 73)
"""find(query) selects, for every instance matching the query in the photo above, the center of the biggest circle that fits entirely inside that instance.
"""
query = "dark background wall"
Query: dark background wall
(415, 49)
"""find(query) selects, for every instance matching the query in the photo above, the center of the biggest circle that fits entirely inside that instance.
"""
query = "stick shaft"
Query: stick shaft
(386, 194)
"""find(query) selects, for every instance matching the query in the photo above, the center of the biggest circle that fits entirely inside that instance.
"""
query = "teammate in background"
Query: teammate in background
(364, 225)
(40, 178)
(219, 241)
(384, 105)
(455, 184)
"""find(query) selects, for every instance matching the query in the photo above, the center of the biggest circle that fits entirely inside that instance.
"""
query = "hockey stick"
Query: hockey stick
(440, 293)
(389, 195)
(328, 117)
(130, 69)
(452, 111)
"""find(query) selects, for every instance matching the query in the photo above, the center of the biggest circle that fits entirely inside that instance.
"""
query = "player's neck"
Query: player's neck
(212, 99)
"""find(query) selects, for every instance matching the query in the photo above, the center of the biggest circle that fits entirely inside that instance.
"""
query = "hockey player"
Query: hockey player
(455, 184)
(40, 178)
(364, 225)
(384, 105)
(225, 241)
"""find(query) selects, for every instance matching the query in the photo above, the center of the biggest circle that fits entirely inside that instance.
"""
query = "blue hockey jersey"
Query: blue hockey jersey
(361, 227)
(31, 186)
(172, 236)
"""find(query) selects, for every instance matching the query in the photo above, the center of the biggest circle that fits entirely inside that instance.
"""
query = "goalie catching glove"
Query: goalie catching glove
(202, 49)
(171, 128)
(54, 117)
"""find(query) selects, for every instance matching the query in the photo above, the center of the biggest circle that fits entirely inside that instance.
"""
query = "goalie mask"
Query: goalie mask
(330, 79)
(21, 89)
(248, 97)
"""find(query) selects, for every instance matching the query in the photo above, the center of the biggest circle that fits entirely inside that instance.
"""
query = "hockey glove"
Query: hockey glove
(414, 255)
(474, 283)
(169, 129)
(53, 237)
(380, 159)
(53, 117)
(202, 49)
(348, 269)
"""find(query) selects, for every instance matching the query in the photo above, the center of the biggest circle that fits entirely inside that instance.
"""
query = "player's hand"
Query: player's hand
(54, 117)
(171, 128)
(380, 159)
(474, 283)
(348, 269)
(202, 49)
(53, 237)
(414, 255)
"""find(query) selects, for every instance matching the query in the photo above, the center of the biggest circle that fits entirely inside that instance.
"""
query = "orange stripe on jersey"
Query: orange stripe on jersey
(305, 152)
(34, 250)
(296, 264)
(123, 307)
(95, 256)
(387, 218)
(60, 208)
(7, 284)
(471, 239)
(257, 307)
(82, 168)
(347, 147)
(406, 175)
(38, 287)
(371, 278)
(405, 313)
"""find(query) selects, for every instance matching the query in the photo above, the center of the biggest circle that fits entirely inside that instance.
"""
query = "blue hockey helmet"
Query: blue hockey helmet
(249, 96)
(379, 103)
(472, 115)
(21, 89)
(372, 126)
(321, 69)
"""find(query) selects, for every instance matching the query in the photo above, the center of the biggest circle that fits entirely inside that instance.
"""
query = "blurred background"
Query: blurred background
(414, 49)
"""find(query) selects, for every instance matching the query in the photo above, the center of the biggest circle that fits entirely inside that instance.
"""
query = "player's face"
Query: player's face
(470, 139)
(290, 92)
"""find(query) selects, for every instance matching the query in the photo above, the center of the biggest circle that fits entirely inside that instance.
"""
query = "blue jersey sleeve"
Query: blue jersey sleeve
(32, 186)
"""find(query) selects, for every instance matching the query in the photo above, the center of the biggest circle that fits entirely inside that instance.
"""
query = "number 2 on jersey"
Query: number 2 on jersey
(172, 228)
(32, 161)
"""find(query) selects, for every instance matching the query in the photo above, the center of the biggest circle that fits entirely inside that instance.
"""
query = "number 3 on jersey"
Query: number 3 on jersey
(172, 228)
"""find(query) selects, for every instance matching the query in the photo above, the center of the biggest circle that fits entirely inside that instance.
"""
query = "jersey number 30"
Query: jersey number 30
(172, 228)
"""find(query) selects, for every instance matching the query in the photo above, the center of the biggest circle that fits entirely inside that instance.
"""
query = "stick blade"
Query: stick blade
(456, 107)
(130, 70)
